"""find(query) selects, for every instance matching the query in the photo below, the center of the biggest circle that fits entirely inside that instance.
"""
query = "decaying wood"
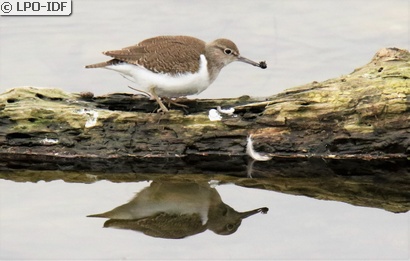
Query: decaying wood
(348, 138)
(365, 114)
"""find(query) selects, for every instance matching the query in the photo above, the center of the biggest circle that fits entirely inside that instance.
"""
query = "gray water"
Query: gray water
(302, 41)
(47, 220)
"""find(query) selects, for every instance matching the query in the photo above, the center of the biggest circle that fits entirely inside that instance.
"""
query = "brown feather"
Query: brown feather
(156, 53)
(103, 64)
(163, 225)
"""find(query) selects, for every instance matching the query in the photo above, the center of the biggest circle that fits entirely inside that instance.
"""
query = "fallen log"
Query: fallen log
(344, 139)
(364, 114)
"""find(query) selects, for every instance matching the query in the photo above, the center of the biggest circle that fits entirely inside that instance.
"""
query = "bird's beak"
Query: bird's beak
(253, 212)
(246, 60)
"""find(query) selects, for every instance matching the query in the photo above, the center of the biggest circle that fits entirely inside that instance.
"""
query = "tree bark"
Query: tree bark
(364, 114)
(352, 131)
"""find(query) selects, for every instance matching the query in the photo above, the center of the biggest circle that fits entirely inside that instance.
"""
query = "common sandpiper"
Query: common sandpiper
(173, 66)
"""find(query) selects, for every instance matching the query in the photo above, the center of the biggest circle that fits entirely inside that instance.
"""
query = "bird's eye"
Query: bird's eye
(228, 51)
(230, 227)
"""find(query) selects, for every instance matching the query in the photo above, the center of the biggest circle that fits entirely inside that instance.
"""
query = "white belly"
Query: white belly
(165, 84)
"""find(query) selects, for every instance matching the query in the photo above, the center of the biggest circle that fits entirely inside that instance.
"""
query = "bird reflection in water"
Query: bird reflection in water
(176, 210)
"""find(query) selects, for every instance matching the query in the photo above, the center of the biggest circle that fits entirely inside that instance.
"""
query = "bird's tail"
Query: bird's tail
(103, 64)
(96, 65)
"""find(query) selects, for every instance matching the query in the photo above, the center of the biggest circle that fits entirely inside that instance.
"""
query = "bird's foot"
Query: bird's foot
(162, 107)
(174, 102)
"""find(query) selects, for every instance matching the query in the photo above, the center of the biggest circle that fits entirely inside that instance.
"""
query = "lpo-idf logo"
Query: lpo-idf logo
(37, 7)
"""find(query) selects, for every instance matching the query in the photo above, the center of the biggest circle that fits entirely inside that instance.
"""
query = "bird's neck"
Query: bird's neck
(215, 62)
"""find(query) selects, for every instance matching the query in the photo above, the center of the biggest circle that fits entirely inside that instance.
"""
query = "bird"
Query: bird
(177, 209)
(173, 66)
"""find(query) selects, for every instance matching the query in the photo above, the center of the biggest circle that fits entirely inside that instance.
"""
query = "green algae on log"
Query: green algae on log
(362, 115)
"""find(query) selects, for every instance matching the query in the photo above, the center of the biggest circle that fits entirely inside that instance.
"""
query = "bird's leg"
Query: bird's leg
(149, 95)
(154, 94)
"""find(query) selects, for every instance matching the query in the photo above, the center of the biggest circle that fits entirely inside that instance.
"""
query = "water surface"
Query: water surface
(48, 220)
(302, 41)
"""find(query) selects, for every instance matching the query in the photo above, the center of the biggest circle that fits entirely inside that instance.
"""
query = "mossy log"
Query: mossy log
(362, 115)
(345, 139)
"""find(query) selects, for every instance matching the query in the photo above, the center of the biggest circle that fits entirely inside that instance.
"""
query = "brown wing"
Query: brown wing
(166, 54)
(162, 225)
